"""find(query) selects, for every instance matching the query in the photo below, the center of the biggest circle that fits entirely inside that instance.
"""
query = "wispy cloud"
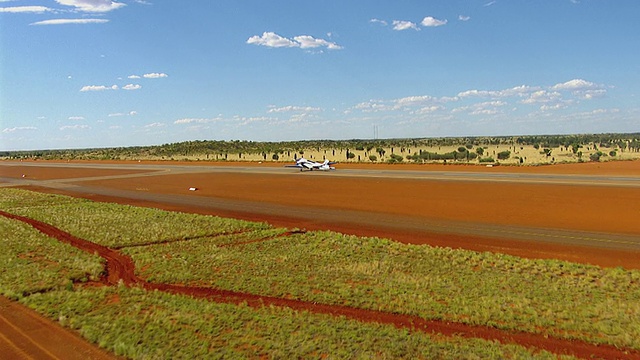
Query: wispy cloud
(98, 88)
(293, 108)
(25, 9)
(70, 21)
(76, 118)
(75, 127)
(400, 25)
(195, 121)
(378, 21)
(92, 5)
(273, 40)
(130, 113)
(154, 125)
(307, 42)
(18, 128)
(464, 17)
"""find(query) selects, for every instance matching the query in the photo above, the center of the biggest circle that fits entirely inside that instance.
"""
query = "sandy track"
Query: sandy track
(121, 268)
(25, 334)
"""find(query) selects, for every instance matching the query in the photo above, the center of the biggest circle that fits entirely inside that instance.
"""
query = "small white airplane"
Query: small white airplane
(304, 164)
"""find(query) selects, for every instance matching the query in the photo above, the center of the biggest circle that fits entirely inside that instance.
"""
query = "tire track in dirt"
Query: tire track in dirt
(120, 268)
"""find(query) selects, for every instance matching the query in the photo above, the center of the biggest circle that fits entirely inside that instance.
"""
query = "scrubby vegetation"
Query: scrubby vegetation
(568, 147)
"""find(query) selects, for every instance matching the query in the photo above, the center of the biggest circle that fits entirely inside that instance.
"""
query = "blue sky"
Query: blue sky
(102, 73)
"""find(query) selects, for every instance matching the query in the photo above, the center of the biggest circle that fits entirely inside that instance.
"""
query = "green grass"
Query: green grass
(153, 325)
(32, 262)
(119, 225)
(540, 296)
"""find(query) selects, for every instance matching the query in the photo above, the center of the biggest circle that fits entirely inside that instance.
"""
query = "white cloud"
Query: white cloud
(293, 108)
(401, 25)
(271, 39)
(484, 112)
(76, 118)
(154, 125)
(92, 5)
(591, 94)
(132, 87)
(130, 113)
(483, 108)
(557, 106)
(98, 88)
(25, 9)
(521, 91)
(307, 41)
(490, 3)
(464, 17)
(133, 77)
(576, 85)
(582, 89)
(75, 127)
(242, 121)
(378, 21)
(70, 21)
(431, 22)
(18, 128)
(155, 75)
(414, 100)
(195, 121)
(543, 97)
(421, 103)
(429, 109)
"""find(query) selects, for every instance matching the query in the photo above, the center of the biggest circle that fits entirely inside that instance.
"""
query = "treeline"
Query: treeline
(230, 150)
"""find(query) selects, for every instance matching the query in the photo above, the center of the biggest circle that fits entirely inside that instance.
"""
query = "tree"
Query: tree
(480, 151)
(373, 158)
(396, 158)
(504, 155)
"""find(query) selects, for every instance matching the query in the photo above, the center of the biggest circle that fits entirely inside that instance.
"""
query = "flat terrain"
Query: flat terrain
(579, 212)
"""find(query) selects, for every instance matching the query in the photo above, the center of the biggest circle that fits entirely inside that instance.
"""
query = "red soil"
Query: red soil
(121, 268)
(579, 208)
(601, 209)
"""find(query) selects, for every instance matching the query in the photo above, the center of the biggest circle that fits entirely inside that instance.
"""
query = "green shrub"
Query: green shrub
(504, 155)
